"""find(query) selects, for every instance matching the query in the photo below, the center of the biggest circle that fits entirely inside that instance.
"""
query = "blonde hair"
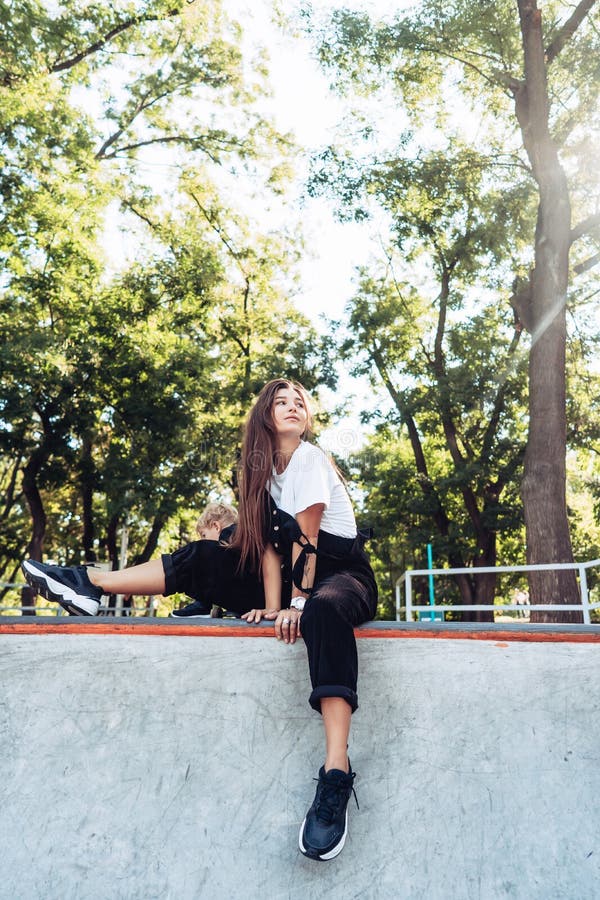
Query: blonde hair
(217, 514)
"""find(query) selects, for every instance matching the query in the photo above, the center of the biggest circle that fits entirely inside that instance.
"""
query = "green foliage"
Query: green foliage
(123, 386)
(467, 422)
(444, 64)
(438, 321)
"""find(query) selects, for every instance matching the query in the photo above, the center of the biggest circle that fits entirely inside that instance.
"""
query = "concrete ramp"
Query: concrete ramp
(176, 763)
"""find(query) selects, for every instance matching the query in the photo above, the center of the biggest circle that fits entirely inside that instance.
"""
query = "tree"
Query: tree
(135, 390)
(535, 83)
(122, 390)
(543, 306)
(427, 326)
(60, 173)
(460, 419)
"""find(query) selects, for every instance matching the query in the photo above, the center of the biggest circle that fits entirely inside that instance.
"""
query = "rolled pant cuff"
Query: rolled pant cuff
(333, 690)
(170, 577)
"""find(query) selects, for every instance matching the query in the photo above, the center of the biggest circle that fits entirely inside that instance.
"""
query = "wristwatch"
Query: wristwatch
(298, 603)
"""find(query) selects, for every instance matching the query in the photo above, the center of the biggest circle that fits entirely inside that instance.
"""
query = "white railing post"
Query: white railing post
(408, 595)
(585, 597)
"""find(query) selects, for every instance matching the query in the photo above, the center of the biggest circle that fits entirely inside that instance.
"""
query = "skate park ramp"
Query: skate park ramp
(172, 762)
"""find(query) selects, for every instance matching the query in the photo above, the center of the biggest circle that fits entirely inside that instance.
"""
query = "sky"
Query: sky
(301, 103)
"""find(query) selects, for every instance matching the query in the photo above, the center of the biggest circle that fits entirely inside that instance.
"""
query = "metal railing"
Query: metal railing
(585, 607)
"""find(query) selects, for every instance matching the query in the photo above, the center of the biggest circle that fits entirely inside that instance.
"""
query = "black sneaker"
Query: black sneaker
(195, 610)
(67, 585)
(323, 832)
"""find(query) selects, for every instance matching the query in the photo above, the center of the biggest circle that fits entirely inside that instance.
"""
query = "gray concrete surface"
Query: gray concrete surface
(180, 767)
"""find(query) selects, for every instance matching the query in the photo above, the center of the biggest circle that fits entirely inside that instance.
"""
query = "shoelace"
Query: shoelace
(330, 797)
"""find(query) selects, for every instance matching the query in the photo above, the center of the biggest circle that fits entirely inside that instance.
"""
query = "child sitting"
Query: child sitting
(217, 523)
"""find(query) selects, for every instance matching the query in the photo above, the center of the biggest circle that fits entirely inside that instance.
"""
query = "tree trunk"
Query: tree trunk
(111, 542)
(87, 473)
(36, 508)
(485, 584)
(12, 580)
(152, 540)
(544, 481)
(112, 549)
(478, 589)
(38, 518)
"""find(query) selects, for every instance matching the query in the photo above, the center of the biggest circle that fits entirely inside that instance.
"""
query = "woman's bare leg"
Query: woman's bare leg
(336, 714)
(147, 578)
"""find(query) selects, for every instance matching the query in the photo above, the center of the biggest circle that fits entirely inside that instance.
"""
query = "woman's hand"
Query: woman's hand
(287, 625)
(255, 615)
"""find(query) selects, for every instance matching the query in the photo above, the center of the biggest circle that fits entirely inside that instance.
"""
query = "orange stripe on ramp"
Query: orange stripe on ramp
(251, 631)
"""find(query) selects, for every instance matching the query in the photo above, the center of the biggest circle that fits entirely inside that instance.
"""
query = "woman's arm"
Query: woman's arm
(287, 623)
(271, 574)
(309, 521)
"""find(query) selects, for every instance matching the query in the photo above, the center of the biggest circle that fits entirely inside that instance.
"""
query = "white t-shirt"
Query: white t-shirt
(309, 478)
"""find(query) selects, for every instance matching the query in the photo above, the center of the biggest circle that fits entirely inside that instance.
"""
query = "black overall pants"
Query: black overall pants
(343, 596)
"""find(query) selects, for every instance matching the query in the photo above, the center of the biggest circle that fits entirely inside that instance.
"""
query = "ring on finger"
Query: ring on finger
(286, 621)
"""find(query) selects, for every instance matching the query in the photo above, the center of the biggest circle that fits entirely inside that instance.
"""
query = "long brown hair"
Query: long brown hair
(256, 467)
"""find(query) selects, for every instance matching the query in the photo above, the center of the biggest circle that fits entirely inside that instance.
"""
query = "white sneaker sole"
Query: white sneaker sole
(60, 593)
(194, 616)
(331, 854)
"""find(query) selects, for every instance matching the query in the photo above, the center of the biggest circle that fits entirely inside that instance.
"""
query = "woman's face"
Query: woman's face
(290, 415)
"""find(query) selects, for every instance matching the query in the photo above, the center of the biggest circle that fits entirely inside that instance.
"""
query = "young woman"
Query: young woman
(296, 558)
